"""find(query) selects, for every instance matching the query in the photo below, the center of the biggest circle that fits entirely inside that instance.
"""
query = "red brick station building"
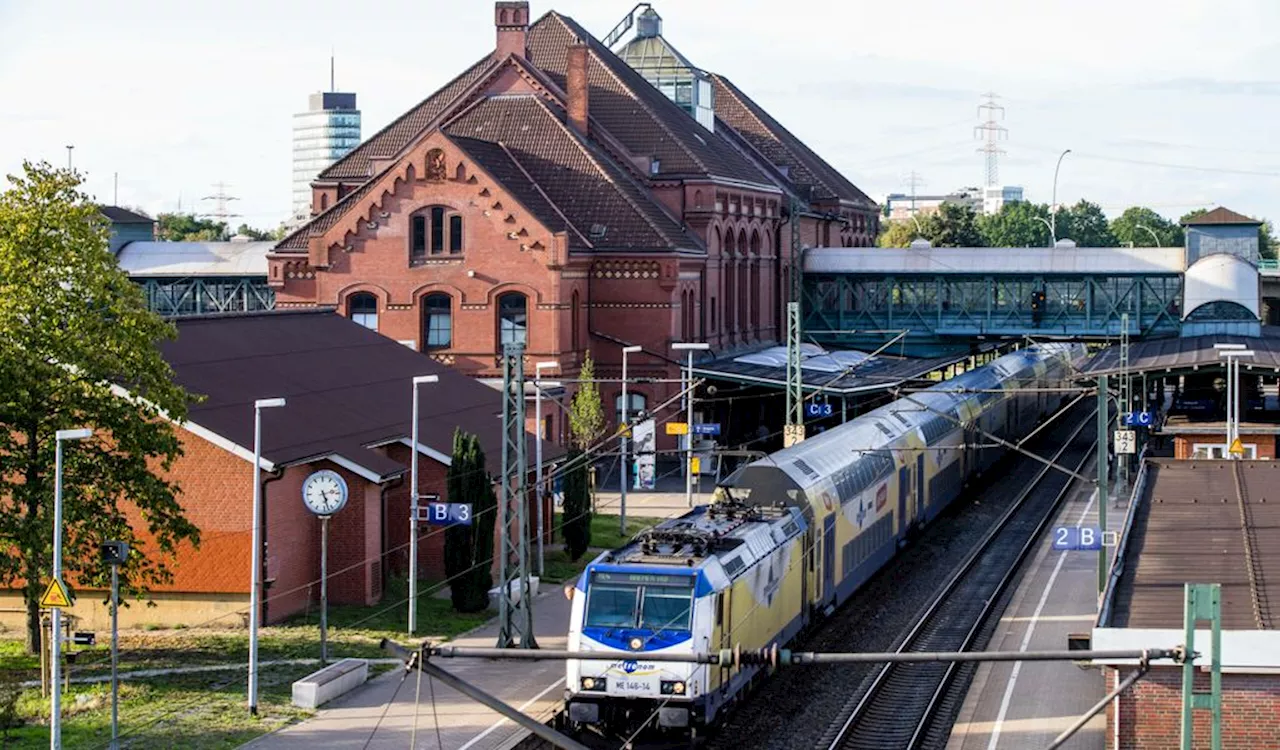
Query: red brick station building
(553, 194)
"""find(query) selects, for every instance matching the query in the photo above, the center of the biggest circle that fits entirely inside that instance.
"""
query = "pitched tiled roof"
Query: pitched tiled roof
(390, 140)
(642, 118)
(1220, 215)
(568, 182)
(335, 404)
(778, 145)
(322, 223)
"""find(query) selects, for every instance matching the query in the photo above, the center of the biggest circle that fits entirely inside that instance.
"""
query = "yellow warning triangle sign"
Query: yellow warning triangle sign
(55, 595)
(1237, 447)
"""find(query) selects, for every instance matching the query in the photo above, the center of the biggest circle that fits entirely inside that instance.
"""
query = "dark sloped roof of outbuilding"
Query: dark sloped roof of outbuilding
(1188, 528)
(1220, 215)
(120, 215)
(347, 389)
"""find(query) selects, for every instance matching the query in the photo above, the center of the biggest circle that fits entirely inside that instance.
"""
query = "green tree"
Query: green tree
(189, 228)
(586, 411)
(577, 506)
(954, 225)
(468, 550)
(1018, 224)
(1086, 225)
(897, 234)
(71, 325)
(1130, 228)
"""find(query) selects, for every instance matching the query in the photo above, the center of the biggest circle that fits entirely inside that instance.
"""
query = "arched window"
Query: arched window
(755, 243)
(324, 202)
(431, 230)
(513, 319)
(636, 403)
(437, 321)
(362, 307)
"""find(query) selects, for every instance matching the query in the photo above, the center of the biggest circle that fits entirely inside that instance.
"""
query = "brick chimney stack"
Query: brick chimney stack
(512, 21)
(576, 84)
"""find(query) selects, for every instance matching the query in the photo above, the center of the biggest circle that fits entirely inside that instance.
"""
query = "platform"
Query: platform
(357, 720)
(1027, 704)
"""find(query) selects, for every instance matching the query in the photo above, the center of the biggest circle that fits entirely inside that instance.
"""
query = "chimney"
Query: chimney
(512, 21)
(576, 85)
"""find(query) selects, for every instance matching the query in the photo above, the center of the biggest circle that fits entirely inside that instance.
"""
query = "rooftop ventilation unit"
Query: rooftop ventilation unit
(921, 244)
(1064, 242)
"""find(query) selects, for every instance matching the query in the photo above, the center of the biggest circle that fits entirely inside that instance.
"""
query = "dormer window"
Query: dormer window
(432, 230)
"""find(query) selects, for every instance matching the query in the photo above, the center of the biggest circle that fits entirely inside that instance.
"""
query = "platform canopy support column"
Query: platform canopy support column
(1104, 493)
(1203, 603)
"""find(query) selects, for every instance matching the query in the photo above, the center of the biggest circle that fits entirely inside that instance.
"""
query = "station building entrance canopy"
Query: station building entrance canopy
(947, 299)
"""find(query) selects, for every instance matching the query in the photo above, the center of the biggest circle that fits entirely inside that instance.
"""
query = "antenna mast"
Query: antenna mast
(992, 132)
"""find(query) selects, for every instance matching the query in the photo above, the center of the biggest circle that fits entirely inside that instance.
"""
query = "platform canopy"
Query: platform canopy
(841, 373)
(1182, 355)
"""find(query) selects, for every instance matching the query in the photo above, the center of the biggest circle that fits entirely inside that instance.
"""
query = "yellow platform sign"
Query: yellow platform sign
(695, 465)
(677, 428)
(55, 595)
(1237, 448)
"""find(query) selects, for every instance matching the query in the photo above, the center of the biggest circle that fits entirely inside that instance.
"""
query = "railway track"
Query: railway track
(913, 705)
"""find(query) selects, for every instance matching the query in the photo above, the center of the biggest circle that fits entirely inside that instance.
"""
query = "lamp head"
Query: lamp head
(268, 403)
(81, 433)
(420, 379)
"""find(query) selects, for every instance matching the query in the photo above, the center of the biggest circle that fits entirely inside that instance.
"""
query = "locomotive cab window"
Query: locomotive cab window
(638, 600)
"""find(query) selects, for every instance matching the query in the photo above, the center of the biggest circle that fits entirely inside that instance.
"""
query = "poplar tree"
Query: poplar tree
(468, 550)
(72, 324)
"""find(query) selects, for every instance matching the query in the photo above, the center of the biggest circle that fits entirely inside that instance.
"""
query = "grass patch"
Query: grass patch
(605, 533)
(208, 709)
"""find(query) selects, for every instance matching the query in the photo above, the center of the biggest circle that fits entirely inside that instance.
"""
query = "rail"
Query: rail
(856, 720)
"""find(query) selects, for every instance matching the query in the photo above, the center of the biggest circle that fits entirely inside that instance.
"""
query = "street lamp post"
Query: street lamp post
(539, 492)
(1150, 231)
(55, 635)
(690, 347)
(1053, 228)
(622, 444)
(1048, 226)
(255, 573)
(413, 504)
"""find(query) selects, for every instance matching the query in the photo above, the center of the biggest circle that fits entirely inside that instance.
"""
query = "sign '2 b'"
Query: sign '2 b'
(1077, 538)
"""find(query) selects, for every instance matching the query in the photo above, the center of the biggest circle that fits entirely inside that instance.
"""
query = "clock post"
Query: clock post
(324, 590)
(324, 493)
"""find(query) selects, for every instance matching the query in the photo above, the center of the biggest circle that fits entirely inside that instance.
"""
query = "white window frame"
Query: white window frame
(1219, 450)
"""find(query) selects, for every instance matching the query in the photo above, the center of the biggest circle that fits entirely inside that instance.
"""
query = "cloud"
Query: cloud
(1211, 87)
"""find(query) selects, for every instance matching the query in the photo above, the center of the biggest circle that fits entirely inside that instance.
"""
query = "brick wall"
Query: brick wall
(1150, 712)
(1184, 445)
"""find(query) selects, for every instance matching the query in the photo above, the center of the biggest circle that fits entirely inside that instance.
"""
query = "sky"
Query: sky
(1168, 105)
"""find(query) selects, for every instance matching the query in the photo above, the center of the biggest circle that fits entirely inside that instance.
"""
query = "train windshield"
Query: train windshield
(637, 600)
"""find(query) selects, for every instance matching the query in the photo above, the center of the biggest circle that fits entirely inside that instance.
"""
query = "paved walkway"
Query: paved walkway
(380, 715)
(1027, 704)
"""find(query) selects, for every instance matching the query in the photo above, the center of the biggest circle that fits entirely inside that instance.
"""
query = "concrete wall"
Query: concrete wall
(170, 609)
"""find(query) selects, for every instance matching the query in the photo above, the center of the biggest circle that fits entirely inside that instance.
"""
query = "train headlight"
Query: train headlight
(672, 687)
(636, 644)
(593, 683)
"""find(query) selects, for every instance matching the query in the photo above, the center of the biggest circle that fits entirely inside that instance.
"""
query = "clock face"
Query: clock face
(324, 492)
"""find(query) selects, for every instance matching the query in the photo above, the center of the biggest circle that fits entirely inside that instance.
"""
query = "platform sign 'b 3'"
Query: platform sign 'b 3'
(1125, 441)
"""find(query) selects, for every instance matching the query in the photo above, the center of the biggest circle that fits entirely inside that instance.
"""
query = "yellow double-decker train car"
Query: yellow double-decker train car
(789, 538)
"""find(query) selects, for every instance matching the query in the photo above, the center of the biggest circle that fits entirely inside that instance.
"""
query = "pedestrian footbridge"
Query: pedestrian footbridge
(944, 300)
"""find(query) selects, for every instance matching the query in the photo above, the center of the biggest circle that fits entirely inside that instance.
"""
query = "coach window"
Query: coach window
(362, 308)
(513, 319)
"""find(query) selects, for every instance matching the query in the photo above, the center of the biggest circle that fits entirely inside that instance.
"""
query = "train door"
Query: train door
(920, 486)
(904, 489)
(829, 557)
